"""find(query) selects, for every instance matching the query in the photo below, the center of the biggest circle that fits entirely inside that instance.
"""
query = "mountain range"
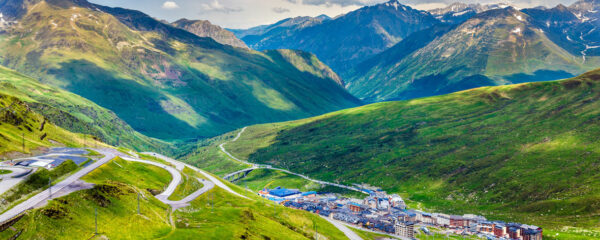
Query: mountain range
(204, 28)
(164, 81)
(481, 45)
(495, 47)
(346, 40)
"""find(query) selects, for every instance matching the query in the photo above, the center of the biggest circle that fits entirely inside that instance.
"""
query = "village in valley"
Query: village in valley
(388, 214)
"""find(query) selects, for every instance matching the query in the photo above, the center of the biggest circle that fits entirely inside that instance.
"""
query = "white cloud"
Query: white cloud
(216, 6)
(170, 5)
(342, 3)
(280, 10)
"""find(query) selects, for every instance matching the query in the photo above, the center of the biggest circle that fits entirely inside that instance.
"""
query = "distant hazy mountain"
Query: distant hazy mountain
(164, 81)
(460, 12)
(495, 47)
(284, 27)
(346, 40)
(204, 28)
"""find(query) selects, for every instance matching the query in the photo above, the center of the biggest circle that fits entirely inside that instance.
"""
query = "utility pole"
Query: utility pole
(50, 187)
(84, 140)
(96, 221)
(23, 141)
(316, 230)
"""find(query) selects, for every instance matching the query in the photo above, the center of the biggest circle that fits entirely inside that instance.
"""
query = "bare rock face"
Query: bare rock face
(204, 28)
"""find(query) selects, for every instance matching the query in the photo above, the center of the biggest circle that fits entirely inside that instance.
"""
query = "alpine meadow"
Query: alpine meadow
(281, 119)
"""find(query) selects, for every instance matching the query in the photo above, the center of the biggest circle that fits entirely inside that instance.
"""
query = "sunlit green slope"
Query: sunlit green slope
(73, 112)
(525, 152)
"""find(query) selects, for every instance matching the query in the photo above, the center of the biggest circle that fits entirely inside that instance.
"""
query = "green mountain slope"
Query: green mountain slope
(496, 47)
(75, 113)
(24, 130)
(163, 81)
(525, 153)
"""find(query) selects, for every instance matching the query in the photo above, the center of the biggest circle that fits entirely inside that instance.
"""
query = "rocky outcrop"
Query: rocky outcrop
(204, 28)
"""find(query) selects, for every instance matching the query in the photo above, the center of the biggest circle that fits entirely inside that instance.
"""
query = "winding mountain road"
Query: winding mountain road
(110, 154)
(256, 166)
(181, 165)
(175, 173)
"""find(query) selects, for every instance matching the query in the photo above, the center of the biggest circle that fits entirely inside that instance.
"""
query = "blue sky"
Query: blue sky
(249, 13)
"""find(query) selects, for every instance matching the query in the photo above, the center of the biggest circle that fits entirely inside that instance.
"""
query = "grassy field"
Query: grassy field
(526, 153)
(217, 215)
(189, 185)
(371, 236)
(2, 171)
(140, 175)
(72, 216)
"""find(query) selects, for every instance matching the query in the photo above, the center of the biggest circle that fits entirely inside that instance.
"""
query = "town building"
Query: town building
(405, 229)
(355, 207)
(442, 219)
(457, 221)
(500, 230)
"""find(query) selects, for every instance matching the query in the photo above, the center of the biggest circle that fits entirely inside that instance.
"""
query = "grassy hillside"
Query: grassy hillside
(24, 130)
(214, 215)
(74, 112)
(497, 47)
(526, 153)
(163, 81)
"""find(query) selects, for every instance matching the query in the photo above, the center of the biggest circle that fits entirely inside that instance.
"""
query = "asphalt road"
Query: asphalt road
(109, 154)
(208, 176)
(8, 181)
(174, 173)
(42, 196)
(347, 231)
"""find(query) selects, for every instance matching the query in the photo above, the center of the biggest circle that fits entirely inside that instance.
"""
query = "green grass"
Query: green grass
(72, 216)
(422, 236)
(524, 153)
(141, 175)
(235, 218)
(370, 235)
(2, 171)
(188, 186)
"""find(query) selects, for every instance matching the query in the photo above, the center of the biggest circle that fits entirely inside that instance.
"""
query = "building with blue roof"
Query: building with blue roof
(283, 192)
